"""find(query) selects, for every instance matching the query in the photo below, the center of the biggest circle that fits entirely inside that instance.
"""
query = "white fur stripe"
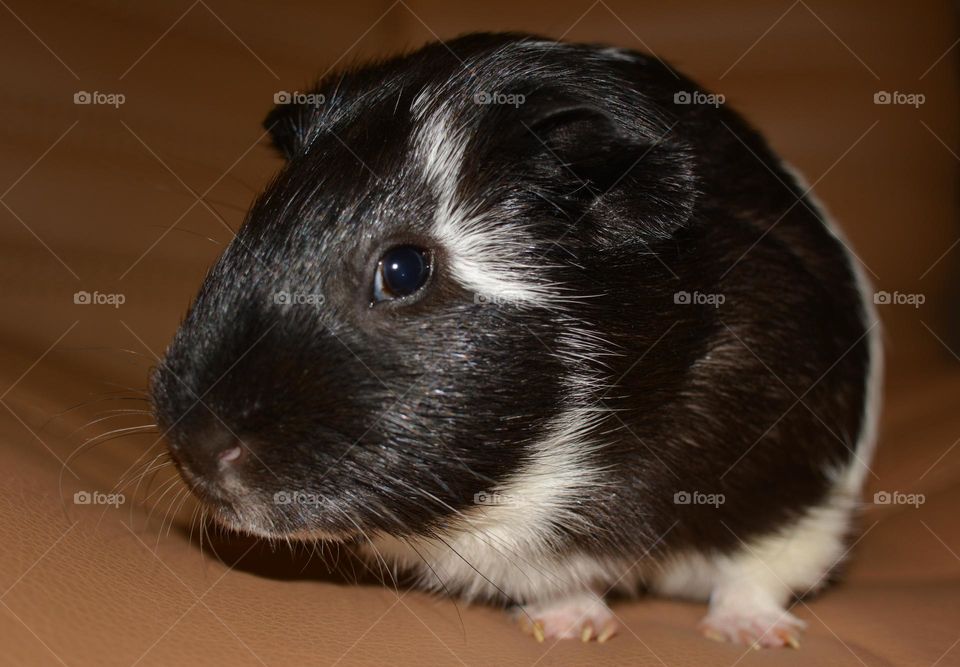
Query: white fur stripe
(485, 256)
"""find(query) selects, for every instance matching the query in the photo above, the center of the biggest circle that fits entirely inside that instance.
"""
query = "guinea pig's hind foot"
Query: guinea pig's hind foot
(739, 617)
(579, 615)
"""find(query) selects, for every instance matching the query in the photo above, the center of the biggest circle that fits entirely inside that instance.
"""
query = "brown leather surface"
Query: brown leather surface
(90, 196)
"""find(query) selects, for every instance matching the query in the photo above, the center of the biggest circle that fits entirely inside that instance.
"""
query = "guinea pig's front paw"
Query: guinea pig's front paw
(582, 615)
(767, 629)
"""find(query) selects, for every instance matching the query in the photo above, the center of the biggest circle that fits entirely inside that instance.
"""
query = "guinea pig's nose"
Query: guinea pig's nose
(210, 452)
(231, 454)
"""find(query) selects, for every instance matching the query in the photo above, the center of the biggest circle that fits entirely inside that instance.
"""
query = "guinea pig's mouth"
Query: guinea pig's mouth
(279, 515)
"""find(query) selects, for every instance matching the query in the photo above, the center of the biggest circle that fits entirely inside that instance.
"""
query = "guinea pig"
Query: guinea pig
(535, 323)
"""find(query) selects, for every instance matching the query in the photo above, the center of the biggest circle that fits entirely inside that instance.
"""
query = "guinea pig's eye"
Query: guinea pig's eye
(402, 271)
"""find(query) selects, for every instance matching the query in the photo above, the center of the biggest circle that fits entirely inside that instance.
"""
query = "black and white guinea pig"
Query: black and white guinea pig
(535, 322)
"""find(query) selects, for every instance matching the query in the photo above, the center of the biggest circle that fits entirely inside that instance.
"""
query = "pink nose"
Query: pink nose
(231, 454)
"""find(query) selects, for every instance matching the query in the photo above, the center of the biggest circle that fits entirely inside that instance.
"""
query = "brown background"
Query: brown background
(102, 198)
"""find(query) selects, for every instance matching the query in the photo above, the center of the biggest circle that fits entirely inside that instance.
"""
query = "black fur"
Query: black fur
(398, 414)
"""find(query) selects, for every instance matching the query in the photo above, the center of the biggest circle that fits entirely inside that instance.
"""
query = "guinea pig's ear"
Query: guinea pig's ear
(284, 123)
(642, 187)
